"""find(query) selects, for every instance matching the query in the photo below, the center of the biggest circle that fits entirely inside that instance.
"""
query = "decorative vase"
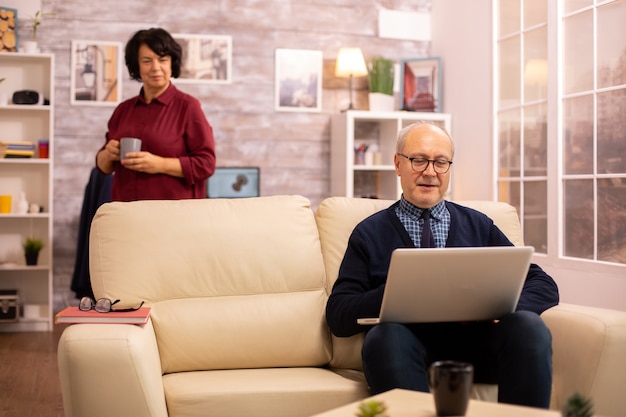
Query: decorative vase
(30, 47)
(381, 102)
(31, 258)
(22, 204)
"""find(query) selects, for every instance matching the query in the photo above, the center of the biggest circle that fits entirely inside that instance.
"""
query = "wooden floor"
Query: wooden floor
(29, 376)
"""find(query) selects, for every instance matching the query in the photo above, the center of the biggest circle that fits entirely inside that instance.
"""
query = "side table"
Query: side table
(404, 403)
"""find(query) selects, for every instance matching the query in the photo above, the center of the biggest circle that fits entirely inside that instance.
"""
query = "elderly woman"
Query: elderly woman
(177, 146)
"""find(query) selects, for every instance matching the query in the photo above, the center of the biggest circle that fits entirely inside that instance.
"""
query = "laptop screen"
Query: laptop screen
(234, 182)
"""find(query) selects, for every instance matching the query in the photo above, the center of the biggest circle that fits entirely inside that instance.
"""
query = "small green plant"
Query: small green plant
(32, 246)
(380, 76)
(372, 408)
(577, 406)
(36, 21)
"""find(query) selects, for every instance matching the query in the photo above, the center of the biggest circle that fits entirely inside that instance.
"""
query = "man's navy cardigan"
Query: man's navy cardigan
(359, 288)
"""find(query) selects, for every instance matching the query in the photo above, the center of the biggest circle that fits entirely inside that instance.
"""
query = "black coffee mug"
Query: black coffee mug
(451, 385)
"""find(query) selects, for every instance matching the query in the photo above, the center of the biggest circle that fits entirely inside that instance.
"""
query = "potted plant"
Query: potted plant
(380, 77)
(4, 97)
(577, 405)
(31, 46)
(372, 408)
(32, 247)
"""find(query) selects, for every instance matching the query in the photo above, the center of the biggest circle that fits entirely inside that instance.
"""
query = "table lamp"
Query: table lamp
(350, 63)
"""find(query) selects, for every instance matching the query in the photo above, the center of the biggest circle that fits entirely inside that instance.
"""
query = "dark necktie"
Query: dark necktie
(428, 241)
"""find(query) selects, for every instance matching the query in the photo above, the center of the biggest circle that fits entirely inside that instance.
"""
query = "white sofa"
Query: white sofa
(238, 289)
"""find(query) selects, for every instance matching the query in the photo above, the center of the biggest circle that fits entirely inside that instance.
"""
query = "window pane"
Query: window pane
(535, 140)
(536, 65)
(612, 44)
(612, 132)
(536, 215)
(578, 135)
(509, 16)
(578, 53)
(572, 5)
(612, 220)
(535, 12)
(509, 192)
(509, 72)
(509, 143)
(578, 227)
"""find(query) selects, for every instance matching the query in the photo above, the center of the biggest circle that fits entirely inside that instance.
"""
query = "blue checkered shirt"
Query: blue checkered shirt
(410, 216)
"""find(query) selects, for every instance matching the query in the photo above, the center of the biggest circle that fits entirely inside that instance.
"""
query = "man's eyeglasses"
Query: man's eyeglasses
(103, 305)
(441, 166)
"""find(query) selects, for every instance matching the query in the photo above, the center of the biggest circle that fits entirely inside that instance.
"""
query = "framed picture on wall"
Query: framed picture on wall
(420, 84)
(298, 83)
(206, 58)
(234, 182)
(8, 29)
(95, 76)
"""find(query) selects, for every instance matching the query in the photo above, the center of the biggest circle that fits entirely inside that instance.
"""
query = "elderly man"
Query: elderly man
(514, 352)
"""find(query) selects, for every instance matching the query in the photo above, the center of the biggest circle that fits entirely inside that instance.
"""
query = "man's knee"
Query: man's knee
(393, 357)
(390, 340)
(526, 328)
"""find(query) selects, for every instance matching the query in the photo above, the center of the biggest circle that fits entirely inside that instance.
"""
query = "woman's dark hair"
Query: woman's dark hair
(161, 42)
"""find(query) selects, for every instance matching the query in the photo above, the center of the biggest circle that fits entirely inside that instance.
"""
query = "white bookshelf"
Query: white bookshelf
(33, 176)
(353, 128)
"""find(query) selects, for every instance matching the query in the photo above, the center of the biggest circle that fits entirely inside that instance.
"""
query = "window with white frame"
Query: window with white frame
(568, 169)
(522, 114)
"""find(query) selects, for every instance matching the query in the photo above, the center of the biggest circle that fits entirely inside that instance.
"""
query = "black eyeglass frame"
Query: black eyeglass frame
(428, 162)
(93, 305)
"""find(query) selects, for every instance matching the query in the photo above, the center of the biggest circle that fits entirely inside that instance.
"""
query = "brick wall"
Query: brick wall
(292, 148)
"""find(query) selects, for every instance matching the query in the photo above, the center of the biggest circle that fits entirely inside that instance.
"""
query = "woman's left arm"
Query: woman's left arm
(199, 163)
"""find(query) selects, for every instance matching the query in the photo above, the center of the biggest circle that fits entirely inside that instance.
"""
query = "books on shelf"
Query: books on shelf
(73, 315)
(17, 149)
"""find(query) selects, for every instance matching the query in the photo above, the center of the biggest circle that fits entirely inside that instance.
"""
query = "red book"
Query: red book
(74, 315)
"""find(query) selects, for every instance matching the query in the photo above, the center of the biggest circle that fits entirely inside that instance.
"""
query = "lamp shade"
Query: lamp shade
(536, 72)
(350, 63)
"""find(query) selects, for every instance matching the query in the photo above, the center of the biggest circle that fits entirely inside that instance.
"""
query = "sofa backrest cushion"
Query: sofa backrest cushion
(336, 218)
(233, 283)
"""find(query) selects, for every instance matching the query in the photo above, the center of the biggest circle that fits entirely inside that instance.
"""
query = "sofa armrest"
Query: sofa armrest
(589, 356)
(111, 370)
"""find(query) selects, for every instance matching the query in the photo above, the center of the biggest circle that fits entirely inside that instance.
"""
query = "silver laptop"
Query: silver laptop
(453, 284)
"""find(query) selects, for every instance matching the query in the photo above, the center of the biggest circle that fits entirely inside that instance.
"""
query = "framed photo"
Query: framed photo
(206, 58)
(234, 182)
(95, 76)
(298, 84)
(420, 84)
(8, 30)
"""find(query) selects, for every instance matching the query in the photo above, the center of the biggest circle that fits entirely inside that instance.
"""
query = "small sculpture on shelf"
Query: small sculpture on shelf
(32, 247)
(22, 204)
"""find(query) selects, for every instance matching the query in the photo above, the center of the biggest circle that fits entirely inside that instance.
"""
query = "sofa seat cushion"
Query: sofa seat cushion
(276, 392)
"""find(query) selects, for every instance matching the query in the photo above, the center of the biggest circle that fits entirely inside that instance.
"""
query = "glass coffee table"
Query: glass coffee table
(404, 403)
